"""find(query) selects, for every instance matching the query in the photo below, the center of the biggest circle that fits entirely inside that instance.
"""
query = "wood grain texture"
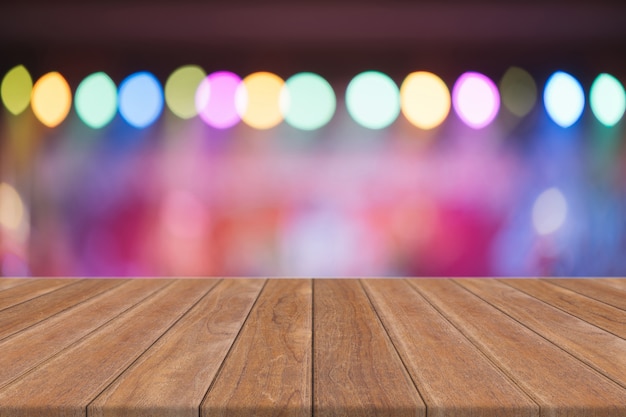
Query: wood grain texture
(88, 366)
(596, 290)
(28, 313)
(434, 351)
(52, 335)
(6, 283)
(327, 348)
(599, 314)
(598, 348)
(268, 371)
(619, 283)
(171, 378)
(357, 371)
(31, 289)
(558, 382)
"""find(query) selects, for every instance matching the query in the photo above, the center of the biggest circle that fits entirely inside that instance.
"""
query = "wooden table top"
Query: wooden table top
(321, 348)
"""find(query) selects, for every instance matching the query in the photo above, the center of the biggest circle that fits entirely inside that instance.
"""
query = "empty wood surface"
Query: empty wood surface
(268, 371)
(54, 334)
(596, 347)
(11, 282)
(310, 347)
(615, 282)
(595, 289)
(64, 385)
(599, 314)
(190, 353)
(540, 368)
(434, 351)
(31, 289)
(28, 313)
(357, 369)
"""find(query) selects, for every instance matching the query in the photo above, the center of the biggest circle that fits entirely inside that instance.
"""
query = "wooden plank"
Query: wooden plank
(26, 349)
(559, 383)
(172, 377)
(6, 283)
(357, 371)
(268, 371)
(32, 289)
(64, 385)
(596, 290)
(434, 352)
(619, 283)
(598, 348)
(595, 312)
(28, 313)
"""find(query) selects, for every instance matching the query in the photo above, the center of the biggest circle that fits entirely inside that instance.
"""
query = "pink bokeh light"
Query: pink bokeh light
(475, 99)
(215, 99)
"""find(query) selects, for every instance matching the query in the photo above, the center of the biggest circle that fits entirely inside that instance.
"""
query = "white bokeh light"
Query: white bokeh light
(564, 99)
(549, 211)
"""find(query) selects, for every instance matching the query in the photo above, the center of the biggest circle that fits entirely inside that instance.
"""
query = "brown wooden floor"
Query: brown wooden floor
(302, 348)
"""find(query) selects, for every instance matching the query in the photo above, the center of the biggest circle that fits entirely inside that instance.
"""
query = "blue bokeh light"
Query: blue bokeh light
(564, 99)
(140, 99)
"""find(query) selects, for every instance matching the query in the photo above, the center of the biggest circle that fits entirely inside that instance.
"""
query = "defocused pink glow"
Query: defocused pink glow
(174, 201)
(184, 215)
(215, 99)
(476, 99)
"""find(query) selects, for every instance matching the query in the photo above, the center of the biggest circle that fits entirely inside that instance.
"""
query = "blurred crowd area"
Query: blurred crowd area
(517, 198)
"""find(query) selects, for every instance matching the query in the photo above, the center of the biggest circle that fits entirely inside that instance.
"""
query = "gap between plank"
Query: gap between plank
(153, 343)
(584, 295)
(58, 312)
(76, 281)
(489, 359)
(81, 338)
(394, 346)
(587, 365)
(312, 347)
(219, 369)
(503, 281)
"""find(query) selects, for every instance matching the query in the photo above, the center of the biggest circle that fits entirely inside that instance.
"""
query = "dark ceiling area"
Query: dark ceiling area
(330, 37)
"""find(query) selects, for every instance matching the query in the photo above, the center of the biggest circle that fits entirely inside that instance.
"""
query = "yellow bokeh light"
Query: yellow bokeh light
(52, 99)
(257, 100)
(11, 207)
(425, 99)
(519, 91)
(16, 89)
(180, 90)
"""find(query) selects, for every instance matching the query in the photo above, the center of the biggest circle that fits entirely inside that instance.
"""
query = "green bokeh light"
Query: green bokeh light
(307, 101)
(16, 89)
(96, 100)
(180, 90)
(518, 91)
(607, 99)
(373, 100)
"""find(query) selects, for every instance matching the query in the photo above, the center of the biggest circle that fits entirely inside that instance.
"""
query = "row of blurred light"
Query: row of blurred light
(306, 101)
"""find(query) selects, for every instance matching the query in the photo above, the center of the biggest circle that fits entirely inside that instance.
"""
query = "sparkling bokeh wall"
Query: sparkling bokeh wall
(312, 138)
(498, 181)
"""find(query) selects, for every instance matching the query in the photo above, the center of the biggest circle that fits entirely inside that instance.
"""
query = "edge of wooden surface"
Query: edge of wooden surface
(431, 291)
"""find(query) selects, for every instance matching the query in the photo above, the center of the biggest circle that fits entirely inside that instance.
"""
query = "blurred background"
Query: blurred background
(535, 187)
